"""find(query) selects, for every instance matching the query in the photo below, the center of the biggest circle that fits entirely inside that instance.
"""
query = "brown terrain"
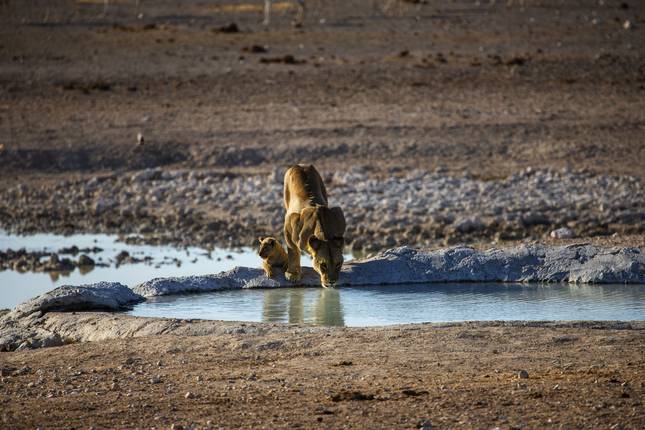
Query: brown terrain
(453, 84)
(483, 88)
(578, 375)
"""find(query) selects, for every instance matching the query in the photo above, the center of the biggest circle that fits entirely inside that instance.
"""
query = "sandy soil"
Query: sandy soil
(580, 375)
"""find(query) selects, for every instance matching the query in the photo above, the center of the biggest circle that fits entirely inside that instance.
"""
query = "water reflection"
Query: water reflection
(288, 305)
(398, 304)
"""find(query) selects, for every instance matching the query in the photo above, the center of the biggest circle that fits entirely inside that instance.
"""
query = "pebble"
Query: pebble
(425, 425)
(85, 260)
(189, 395)
(523, 374)
(562, 233)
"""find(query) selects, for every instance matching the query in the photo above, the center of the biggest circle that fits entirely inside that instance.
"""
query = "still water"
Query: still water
(360, 306)
(16, 287)
(384, 305)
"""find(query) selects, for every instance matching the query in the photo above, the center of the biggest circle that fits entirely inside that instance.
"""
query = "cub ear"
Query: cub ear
(314, 242)
(260, 239)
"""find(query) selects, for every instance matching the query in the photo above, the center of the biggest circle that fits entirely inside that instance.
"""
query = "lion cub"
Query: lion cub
(273, 255)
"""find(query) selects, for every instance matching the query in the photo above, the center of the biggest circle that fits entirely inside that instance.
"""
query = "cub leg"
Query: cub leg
(293, 272)
(267, 269)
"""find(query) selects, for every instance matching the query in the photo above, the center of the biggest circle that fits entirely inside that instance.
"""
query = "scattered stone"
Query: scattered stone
(565, 339)
(73, 250)
(255, 49)
(276, 344)
(56, 264)
(102, 205)
(228, 28)
(523, 374)
(124, 257)
(425, 425)
(562, 233)
(85, 261)
(413, 393)
(189, 395)
(353, 395)
(285, 59)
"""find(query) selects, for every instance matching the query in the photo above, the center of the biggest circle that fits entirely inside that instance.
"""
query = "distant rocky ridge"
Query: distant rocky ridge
(35, 324)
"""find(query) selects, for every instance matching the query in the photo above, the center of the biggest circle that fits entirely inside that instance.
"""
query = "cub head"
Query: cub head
(267, 246)
(327, 258)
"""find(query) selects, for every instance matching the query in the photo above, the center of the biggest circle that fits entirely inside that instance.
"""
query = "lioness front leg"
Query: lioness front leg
(267, 269)
(293, 272)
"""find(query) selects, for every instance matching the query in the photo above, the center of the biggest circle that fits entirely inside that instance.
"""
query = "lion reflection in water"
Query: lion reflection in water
(295, 306)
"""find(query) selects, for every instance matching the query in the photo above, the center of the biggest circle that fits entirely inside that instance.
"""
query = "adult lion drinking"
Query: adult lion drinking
(310, 225)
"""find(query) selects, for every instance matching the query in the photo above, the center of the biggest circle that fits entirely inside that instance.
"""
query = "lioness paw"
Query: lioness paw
(293, 277)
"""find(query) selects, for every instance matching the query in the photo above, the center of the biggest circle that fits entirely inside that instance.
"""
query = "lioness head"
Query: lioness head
(327, 258)
(267, 245)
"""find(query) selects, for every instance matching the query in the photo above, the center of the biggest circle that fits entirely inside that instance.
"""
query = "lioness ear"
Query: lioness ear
(314, 242)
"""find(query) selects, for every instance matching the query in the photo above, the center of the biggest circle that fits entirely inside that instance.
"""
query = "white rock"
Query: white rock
(562, 233)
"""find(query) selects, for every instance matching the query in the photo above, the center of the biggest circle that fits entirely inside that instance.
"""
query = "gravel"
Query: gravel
(417, 208)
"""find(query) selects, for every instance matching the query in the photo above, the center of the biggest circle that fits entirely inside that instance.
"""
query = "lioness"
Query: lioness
(272, 254)
(310, 225)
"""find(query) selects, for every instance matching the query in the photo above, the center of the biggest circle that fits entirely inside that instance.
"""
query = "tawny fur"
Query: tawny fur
(311, 226)
(273, 255)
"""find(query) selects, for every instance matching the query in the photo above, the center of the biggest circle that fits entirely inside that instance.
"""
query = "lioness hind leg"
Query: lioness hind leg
(293, 272)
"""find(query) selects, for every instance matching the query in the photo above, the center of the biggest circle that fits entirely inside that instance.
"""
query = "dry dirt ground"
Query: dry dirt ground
(462, 85)
(580, 375)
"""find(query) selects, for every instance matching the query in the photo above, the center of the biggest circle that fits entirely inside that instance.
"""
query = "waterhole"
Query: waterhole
(400, 304)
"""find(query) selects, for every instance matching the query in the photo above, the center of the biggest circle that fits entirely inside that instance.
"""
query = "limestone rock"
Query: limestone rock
(526, 263)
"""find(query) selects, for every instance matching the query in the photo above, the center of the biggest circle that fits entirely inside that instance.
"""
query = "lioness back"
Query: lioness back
(303, 187)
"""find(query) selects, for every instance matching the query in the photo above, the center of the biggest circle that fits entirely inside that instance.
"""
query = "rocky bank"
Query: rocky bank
(32, 324)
